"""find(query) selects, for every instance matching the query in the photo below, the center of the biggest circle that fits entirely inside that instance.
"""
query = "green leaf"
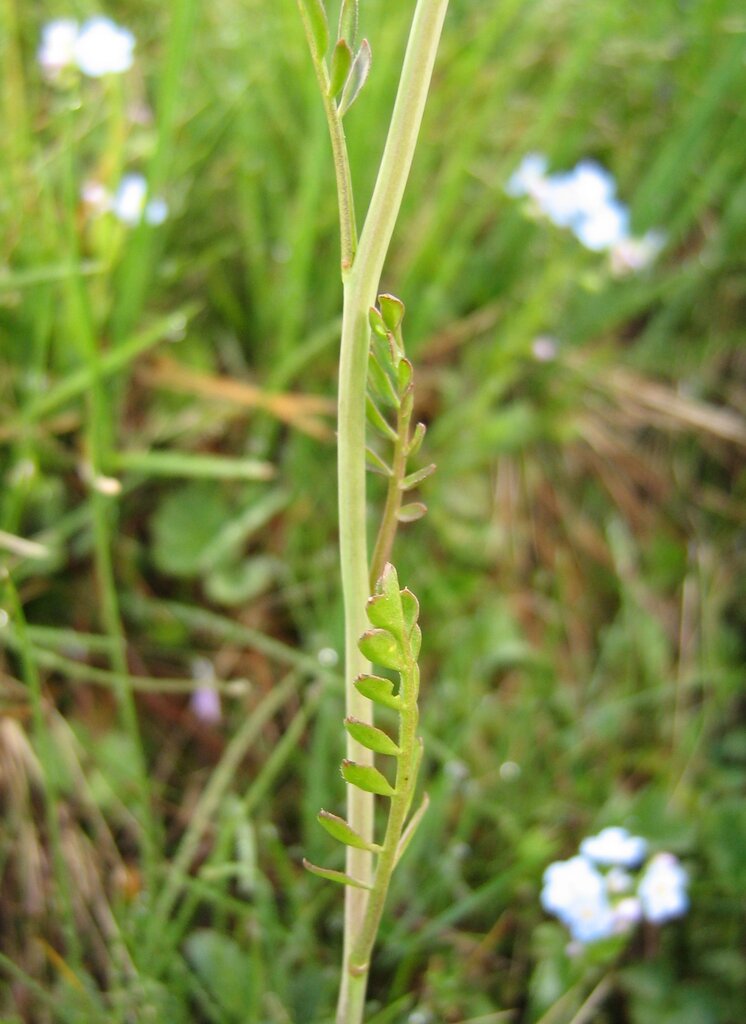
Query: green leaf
(240, 581)
(415, 642)
(378, 421)
(221, 965)
(340, 67)
(372, 738)
(411, 513)
(334, 876)
(380, 647)
(413, 479)
(376, 464)
(392, 311)
(348, 17)
(386, 351)
(384, 607)
(357, 77)
(344, 833)
(377, 323)
(317, 21)
(416, 440)
(185, 525)
(379, 690)
(380, 383)
(411, 828)
(410, 609)
(366, 777)
(404, 375)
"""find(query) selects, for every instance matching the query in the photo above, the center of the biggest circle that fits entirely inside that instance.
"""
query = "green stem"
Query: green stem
(345, 195)
(360, 287)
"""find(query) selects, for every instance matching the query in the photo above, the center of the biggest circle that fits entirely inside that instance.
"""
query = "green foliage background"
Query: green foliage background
(580, 571)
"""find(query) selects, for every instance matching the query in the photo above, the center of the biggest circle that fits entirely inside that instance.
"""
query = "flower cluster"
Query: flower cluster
(584, 200)
(129, 203)
(607, 888)
(98, 47)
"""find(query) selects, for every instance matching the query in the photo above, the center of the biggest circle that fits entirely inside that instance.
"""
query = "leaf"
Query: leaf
(378, 421)
(376, 464)
(366, 777)
(416, 440)
(357, 77)
(392, 311)
(410, 609)
(404, 375)
(384, 607)
(334, 876)
(318, 24)
(377, 323)
(413, 479)
(185, 525)
(411, 513)
(348, 16)
(372, 738)
(380, 384)
(344, 833)
(380, 647)
(379, 690)
(415, 642)
(240, 581)
(386, 350)
(412, 826)
(220, 964)
(340, 67)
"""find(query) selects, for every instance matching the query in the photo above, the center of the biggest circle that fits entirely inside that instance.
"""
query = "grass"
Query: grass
(166, 446)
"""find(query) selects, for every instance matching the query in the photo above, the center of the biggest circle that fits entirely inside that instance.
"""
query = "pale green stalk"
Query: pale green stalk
(360, 288)
(362, 264)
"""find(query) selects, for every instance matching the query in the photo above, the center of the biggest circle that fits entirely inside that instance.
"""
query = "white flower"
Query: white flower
(574, 891)
(528, 176)
(614, 846)
(592, 920)
(57, 49)
(130, 202)
(594, 186)
(604, 227)
(103, 48)
(627, 913)
(662, 889)
(563, 200)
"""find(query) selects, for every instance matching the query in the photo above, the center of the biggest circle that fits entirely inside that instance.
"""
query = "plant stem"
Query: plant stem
(345, 196)
(360, 287)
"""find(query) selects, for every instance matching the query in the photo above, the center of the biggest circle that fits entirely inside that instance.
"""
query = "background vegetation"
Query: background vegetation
(167, 457)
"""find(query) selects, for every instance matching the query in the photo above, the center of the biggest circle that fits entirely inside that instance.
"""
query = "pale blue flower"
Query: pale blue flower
(104, 48)
(614, 846)
(584, 201)
(131, 205)
(594, 185)
(528, 176)
(603, 228)
(575, 892)
(662, 889)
